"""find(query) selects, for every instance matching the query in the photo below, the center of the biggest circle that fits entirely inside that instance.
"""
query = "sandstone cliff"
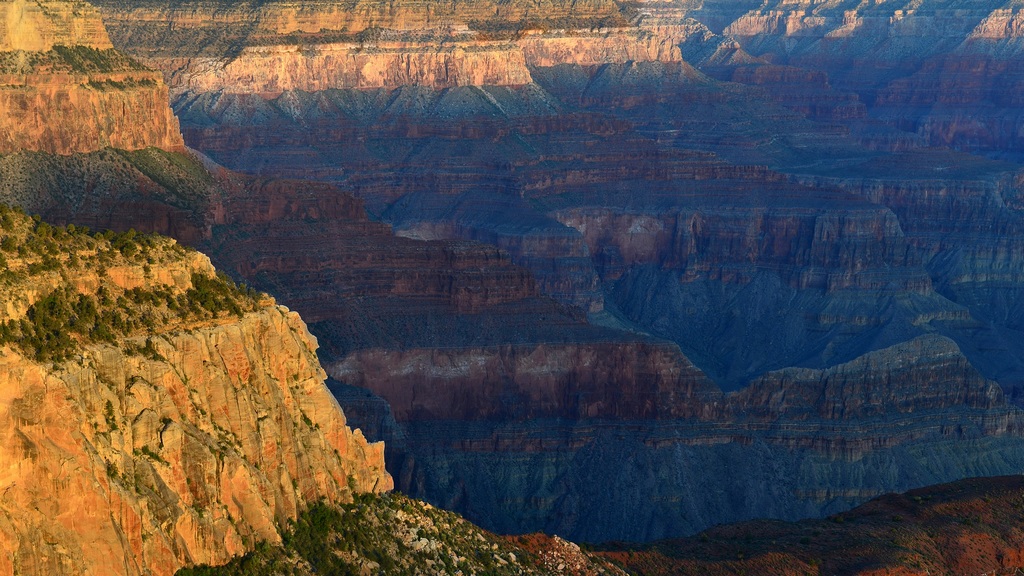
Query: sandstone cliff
(38, 26)
(139, 23)
(153, 415)
(274, 47)
(64, 89)
(271, 70)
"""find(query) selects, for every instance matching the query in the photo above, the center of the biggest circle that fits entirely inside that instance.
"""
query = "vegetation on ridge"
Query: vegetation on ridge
(69, 59)
(51, 270)
(391, 535)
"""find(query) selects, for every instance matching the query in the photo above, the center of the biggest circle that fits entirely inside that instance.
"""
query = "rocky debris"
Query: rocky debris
(561, 556)
(393, 534)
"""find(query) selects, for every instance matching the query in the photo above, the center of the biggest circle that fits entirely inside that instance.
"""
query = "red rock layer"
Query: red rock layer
(967, 527)
(967, 101)
(81, 96)
(271, 231)
(579, 380)
(807, 92)
(64, 114)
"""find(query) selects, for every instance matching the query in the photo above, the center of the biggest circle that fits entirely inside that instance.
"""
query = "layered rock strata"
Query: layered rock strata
(965, 527)
(32, 26)
(64, 89)
(943, 71)
(761, 451)
(167, 433)
(612, 180)
(146, 22)
(527, 413)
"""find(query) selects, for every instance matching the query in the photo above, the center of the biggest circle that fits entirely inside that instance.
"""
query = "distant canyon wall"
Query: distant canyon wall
(64, 89)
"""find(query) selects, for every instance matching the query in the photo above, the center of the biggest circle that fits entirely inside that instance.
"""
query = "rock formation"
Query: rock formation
(64, 89)
(605, 292)
(966, 527)
(153, 415)
(30, 26)
(703, 458)
(944, 71)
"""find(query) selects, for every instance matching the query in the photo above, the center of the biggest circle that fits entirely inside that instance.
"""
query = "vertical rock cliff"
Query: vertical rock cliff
(152, 414)
(64, 89)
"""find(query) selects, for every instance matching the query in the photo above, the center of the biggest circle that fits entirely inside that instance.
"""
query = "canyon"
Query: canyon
(603, 271)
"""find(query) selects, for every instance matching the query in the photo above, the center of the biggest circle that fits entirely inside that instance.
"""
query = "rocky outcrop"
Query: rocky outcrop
(582, 49)
(146, 23)
(173, 441)
(872, 385)
(38, 26)
(64, 89)
(67, 113)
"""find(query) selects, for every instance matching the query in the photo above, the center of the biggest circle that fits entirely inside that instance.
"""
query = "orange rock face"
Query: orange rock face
(63, 89)
(316, 16)
(39, 25)
(271, 70)
(116, 462)
(64, 113)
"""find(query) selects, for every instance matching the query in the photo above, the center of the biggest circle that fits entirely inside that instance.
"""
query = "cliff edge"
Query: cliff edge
(64, 89)
(152, 414)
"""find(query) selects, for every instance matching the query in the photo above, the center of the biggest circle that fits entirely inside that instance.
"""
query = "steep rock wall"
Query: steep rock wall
(39, 25)
(276, 69)
(68, 113)
(63, 89)
(123, 461)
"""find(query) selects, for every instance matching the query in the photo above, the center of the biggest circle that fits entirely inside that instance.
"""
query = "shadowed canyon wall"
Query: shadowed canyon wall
(603, 292)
